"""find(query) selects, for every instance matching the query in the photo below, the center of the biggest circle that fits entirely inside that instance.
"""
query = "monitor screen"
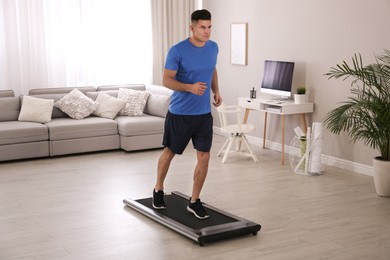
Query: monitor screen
(277, 78)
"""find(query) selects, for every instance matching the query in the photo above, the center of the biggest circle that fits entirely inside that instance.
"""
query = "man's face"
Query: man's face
(201, 30)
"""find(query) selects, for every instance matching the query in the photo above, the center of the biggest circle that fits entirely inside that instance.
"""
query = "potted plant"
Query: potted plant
(300, 96)
(365, 116)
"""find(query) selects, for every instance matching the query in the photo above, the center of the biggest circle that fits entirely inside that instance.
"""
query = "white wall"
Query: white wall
(317, 35)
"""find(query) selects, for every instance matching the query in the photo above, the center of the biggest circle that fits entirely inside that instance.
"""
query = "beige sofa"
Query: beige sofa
(21, 139)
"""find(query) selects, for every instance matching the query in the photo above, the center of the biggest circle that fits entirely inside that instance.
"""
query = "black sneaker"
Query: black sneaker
(197, 209)
(158, 200)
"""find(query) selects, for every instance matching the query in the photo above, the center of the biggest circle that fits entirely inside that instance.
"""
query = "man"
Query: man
(190, 72)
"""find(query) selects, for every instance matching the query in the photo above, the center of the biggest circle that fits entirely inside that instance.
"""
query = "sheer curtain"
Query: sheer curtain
(171, 24)
(46, 43)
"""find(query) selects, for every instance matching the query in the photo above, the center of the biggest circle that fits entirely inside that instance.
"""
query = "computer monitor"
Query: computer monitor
(277, 78)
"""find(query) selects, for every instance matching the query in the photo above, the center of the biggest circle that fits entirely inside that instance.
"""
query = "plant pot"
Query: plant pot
(299, 99)
(382, 177)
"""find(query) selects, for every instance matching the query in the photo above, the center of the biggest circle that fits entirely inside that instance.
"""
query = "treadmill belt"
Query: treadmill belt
(177, 210)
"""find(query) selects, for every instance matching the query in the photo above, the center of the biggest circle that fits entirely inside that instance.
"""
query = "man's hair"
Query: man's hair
(200, 15)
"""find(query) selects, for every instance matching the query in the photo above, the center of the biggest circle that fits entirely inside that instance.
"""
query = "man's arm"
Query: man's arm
(215, 88)
(169, 81)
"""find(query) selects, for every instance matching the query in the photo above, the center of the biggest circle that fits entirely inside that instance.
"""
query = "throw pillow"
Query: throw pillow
(157, 105)
(108, 106)
(135, 101)
(36, 109)
(76, 105)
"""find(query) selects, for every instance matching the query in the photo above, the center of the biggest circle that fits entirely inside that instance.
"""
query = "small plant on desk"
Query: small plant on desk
(300, 97)
(301, 91)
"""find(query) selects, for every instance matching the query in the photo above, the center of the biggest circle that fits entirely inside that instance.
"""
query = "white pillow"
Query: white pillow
(108, 106)
(76, 105)
(36, 109)
(159, 90)
(157, 105)
(135, 101)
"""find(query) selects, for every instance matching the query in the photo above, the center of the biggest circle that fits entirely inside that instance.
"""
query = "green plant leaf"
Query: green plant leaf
(366, 114)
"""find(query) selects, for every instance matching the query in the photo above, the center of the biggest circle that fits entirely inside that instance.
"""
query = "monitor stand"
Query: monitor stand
(275, 99)
(283, 98)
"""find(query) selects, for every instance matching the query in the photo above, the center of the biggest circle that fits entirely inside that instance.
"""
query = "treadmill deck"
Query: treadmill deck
(220, 225)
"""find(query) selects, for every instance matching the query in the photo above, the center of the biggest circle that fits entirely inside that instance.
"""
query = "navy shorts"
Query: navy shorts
(179, 129)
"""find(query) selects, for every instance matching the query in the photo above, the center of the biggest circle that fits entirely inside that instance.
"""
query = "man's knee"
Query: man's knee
(203, 156)
(167, 154)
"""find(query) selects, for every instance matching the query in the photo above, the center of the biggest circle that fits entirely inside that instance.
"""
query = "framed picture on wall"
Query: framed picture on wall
(238, 43)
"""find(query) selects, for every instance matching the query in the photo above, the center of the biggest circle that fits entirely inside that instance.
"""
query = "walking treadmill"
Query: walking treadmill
(220, 225)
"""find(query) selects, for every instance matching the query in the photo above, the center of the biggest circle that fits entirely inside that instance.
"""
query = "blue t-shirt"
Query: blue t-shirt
(193, 64)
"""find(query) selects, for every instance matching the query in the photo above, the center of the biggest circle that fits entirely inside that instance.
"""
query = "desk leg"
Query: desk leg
(282, 139)
(265, 128)
(246, 116)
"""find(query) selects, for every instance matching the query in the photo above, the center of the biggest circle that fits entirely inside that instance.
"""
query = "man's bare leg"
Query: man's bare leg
(163, 166)
(162, 170)
(195, 206)
(200, 173)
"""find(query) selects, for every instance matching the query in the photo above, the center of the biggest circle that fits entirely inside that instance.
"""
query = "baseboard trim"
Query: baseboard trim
(350, 166)
(330, 160)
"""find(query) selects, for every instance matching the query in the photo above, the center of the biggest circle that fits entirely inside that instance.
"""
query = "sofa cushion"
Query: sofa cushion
(60, 90)
(116, 87)
(157, 105)
(69, 128)
(7, 93)
(36, 109)
(145, 125)
(94, 95)
(135, 101)
(13, 132)
(76, 104)
(108, 106)
(9, 108)
(160, 90)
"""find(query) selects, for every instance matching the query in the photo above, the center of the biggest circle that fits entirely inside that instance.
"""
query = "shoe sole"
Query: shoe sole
(161, 207)
(196, 215)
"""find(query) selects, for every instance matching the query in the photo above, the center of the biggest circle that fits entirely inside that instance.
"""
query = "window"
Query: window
(75, 43)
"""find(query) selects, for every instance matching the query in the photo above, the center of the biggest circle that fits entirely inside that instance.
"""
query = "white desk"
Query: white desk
(282, 108)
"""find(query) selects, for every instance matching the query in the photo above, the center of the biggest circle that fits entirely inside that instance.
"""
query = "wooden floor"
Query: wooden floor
(71, 208)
